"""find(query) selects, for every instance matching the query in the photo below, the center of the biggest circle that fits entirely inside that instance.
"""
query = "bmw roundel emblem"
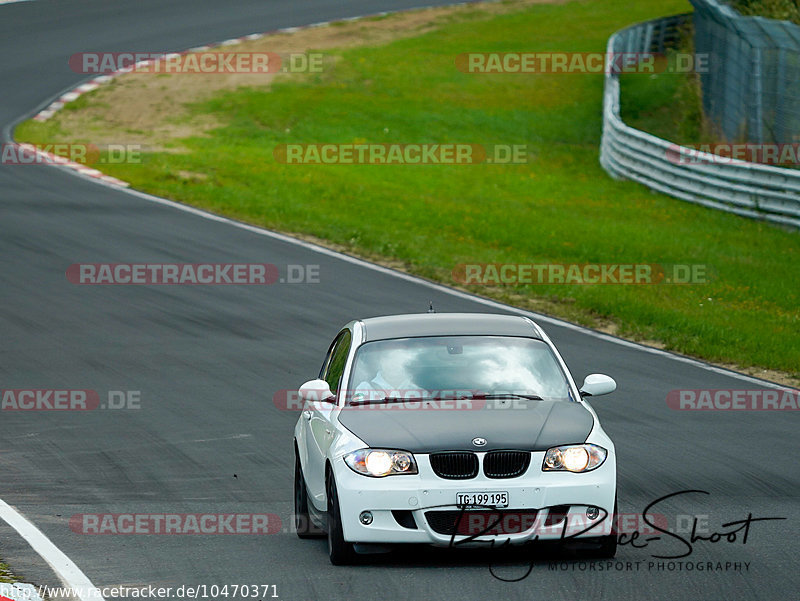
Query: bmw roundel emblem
(479, 442)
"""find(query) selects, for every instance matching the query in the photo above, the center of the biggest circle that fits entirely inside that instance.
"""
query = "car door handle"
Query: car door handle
(307, 414)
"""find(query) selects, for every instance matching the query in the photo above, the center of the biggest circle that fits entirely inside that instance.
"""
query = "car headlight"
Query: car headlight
(381, 462)
(574, 458)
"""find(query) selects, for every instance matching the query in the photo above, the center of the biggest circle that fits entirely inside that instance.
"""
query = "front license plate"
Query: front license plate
(493, 498)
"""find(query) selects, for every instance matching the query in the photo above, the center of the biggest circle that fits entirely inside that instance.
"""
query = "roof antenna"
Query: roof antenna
(430, 308)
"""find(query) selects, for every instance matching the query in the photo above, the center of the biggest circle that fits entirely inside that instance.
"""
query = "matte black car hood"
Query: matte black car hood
(532, 426)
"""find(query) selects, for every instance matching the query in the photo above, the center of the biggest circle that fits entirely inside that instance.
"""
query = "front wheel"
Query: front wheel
(340, 551)
(608, 544)
(302, 521)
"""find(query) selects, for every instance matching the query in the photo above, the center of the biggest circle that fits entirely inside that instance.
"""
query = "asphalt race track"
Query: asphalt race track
(206, 361)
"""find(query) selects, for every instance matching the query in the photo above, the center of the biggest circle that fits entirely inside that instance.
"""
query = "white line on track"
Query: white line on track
(70, 574)
(6, 133)
(446, 290)
(66, 569)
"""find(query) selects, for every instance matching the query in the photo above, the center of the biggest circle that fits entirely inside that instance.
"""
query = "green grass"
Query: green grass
(5, 574)
(667, 105)
(561, 207)
(788, 10)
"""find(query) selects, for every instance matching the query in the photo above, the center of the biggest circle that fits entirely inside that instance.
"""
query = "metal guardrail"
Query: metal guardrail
(752, 85)
(747, 189)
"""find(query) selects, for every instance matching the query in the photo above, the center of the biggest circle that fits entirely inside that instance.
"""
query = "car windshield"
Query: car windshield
(457, 367)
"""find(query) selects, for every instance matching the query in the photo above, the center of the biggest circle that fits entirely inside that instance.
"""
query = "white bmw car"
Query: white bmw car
(451, 429)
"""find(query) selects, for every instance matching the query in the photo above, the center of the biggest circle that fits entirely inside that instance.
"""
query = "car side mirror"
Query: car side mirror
(597, 384)
(316, 390)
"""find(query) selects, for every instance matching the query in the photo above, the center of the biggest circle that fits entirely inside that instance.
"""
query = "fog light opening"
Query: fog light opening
(365, 517)
(593, 513)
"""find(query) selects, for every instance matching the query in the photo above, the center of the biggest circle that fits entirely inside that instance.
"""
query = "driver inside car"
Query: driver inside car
(389, 376)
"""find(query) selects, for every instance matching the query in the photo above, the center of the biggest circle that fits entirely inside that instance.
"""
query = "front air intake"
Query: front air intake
(506, 464)
(455, 465)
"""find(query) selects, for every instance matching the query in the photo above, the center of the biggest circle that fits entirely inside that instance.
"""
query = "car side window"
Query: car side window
(333, 369)
(324, 369)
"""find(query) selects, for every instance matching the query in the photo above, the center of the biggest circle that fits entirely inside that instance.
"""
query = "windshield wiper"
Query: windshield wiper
(386, 399)
(466, 397)
(507, 395)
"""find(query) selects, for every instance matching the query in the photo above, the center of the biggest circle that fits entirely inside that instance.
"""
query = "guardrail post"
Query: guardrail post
(747, 189)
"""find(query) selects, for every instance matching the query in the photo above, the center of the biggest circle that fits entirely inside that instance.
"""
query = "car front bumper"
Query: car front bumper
(542, 506)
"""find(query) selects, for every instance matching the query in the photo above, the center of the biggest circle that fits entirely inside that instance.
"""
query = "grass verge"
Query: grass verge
(788, 10)
(5, 574)
(559, 207)
(668, 104)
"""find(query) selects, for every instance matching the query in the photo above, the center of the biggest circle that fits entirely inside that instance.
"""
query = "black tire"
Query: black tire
(302, 521)
(340, 552)
(608, 544)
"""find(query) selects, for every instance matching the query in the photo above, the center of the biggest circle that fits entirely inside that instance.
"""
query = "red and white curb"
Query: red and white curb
(74, 94)
(48, 158)
(18, 592)
(95, 83)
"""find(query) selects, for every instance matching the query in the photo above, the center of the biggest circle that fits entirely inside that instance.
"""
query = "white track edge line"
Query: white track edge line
(539, 317)
(7, 133)
(66, 569)
(69, 573)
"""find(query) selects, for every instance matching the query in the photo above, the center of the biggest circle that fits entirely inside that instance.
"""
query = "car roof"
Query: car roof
(447, 324)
